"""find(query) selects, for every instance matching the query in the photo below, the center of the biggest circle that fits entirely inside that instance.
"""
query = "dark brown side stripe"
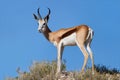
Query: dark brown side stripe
(68, 33)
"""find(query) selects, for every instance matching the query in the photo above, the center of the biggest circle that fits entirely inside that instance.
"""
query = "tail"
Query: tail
(90, 34)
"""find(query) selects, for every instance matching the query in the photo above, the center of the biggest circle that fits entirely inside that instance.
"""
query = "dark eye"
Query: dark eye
(44, 24)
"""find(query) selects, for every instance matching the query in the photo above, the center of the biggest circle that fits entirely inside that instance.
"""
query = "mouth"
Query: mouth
(40, 31)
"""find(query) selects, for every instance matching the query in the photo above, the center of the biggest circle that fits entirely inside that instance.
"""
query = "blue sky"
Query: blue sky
(21, 43)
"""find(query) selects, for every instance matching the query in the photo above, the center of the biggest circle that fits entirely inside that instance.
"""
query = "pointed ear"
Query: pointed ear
(46, 18)
(35, 17)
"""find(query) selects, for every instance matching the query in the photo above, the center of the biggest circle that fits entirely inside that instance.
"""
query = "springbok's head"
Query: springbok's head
(42, 22)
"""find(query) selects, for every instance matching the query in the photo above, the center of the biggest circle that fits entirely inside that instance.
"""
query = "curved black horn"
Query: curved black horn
(39, 13)
(47, 17)
(49, 12)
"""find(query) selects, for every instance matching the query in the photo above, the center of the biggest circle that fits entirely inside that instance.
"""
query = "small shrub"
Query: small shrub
(47, 71)
(103, 69)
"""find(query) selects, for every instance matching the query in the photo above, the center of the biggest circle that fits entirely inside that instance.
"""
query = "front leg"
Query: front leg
(60, 48)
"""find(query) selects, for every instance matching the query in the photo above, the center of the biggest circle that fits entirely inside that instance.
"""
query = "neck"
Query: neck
(46, 33)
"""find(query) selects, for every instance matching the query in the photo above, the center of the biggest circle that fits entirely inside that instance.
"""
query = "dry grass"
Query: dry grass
(47, 70)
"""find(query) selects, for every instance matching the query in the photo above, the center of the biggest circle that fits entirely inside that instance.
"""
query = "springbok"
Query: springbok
(78, 35)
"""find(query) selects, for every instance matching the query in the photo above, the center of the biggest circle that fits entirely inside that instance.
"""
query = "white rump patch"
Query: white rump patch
(90, 34)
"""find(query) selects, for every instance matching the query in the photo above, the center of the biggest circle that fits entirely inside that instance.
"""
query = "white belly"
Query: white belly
(70, 40)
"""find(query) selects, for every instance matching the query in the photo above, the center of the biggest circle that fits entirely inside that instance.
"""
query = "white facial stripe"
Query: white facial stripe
(70, 40)
(40, 22)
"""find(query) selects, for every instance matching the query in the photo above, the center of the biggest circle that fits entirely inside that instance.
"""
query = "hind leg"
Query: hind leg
(80, 41)
(85, 53)
(91, 56)
(90, 52)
